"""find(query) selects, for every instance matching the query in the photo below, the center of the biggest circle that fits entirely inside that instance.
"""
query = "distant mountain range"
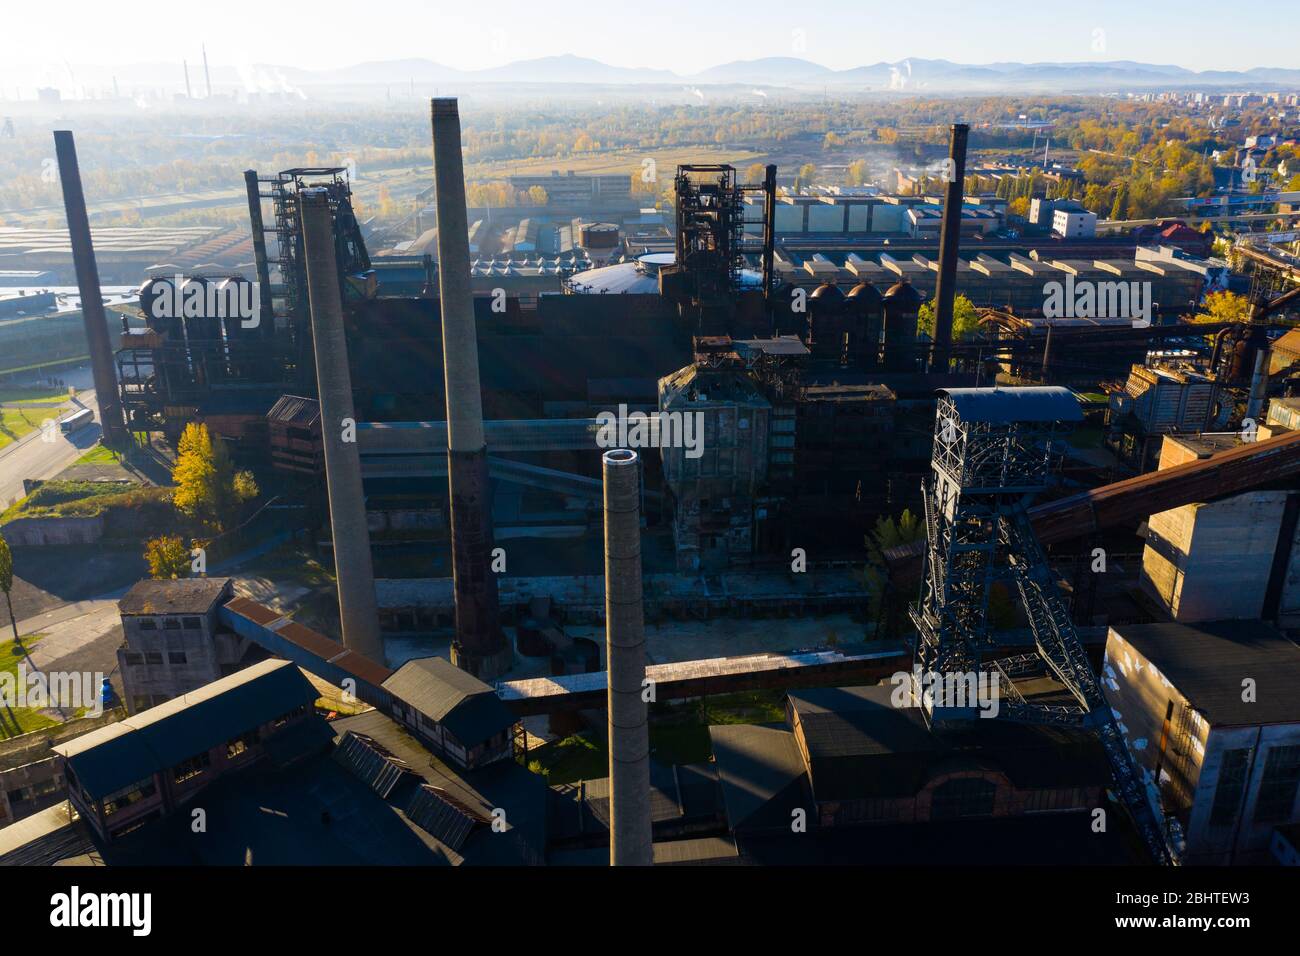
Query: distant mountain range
(904, 75)
(910, 75)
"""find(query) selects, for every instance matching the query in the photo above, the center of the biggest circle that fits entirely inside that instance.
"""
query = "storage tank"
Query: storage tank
(901, 303)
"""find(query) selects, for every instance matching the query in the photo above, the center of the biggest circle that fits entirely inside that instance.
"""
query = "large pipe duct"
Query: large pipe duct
(630, 841)
(1258, 384)
(358, 610)
(263, 266)
(945, 290)
(92, 302)
(480, 646)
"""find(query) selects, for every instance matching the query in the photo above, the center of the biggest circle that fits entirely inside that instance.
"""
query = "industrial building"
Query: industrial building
(785, 401)
(173, 642)
(1210, 712)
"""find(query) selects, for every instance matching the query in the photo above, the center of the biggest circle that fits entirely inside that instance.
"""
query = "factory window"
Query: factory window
(148, 624)
(1278, 788)
(1227, 795)
(176, 657)
(191, 768)
(963, 797)
(131, 657)
(153, 657)
(121, 799)
(171, 624)
(191, 623)
(240, 744)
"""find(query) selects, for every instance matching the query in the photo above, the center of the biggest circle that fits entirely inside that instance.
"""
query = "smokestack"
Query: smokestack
(352, 566)
(630, 841)
(207, 78)
(185, 65)
(480, 646)
(92, 302)
(945, 290)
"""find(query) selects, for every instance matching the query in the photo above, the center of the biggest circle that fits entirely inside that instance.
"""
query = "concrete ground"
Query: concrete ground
(51, 577)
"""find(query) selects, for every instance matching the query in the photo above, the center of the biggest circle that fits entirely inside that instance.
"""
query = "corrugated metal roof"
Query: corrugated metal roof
(1006, 405)
(296, 410)
(457, 700)
(130, 750)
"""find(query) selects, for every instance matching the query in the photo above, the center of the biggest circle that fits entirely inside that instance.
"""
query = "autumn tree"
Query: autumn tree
(207, 486)
(167, 556)
(965, 319)
(1225, 307)
(755, 173)
(888, 533)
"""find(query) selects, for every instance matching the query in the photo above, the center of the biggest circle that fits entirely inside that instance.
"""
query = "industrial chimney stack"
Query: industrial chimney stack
(630, 842)
(945, 290)
(92, 302)
(480, 646)
(352, 565)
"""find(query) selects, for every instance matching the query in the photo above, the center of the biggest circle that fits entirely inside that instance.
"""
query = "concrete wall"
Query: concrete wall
(1207, 562)
(31, 787)
(1149, 710)
(51, 531)
(1244, 841)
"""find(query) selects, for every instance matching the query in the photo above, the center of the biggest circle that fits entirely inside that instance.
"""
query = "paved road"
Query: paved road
(31, 457)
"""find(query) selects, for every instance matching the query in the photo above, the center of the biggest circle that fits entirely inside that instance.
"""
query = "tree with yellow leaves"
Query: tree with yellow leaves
(167, 556)
(1225, 307)
(207, 485)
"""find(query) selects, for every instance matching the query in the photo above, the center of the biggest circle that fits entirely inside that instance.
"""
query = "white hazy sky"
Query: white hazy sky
(680, 35)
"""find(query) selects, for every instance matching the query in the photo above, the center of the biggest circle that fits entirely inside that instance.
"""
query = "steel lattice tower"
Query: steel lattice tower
(995, 449)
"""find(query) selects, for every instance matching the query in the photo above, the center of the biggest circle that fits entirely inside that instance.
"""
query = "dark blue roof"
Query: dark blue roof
(1006, 405)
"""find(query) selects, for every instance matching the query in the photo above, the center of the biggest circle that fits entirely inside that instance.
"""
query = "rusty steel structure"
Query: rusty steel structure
(711, 243)
(1134, 499)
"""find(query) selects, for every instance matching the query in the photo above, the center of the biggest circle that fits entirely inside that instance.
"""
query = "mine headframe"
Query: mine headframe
(995, 450)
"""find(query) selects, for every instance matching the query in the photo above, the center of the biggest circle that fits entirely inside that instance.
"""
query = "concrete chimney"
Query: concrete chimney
(480, 646)
(352, 566)
(945, 290)
(630, 841)
(92, 302)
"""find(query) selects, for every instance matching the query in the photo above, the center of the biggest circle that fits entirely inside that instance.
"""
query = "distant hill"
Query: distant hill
(907, 75)
(902, 75)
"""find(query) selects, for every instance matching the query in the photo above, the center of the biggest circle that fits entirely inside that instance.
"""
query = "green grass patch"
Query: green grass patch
(99, 455)
(13, 393)
(571, 759)
(84, 499)
(26, 719)
(679, 734)
(18, 423)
